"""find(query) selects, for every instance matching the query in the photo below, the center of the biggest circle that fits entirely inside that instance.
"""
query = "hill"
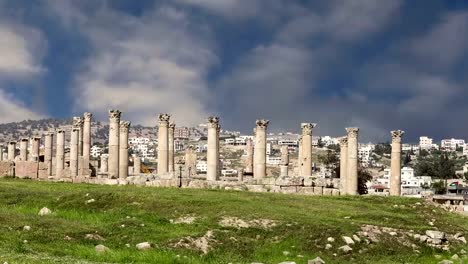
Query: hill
(213, 226)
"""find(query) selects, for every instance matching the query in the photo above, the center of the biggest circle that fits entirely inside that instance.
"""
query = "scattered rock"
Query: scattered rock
(26, 228)
(287, 262)
(462, 239)
(393, 233)
(25, 241)
(446, 261)
(143, 246)
(462, 252)
(348, 240)
(423, 238)
(328, 246)
(286, 253)
(67, 238)
(202, 243)
(345, 249)
(458, 234)
(316, 260)
(45, 211)
(94, 237)
(188, 219)
(435, 234)
(455, 257)
(331, 239)
(356, 238)
(240, 223)
(101, 248)
(90, 201)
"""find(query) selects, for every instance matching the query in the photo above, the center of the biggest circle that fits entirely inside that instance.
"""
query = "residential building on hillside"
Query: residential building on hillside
(451, 144)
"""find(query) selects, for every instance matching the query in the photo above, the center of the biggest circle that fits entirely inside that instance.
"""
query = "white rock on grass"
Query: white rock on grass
(101, 248)
(356, 238)
(286, 253)
(26, 228)
(435, 234)
(331, 239)
(45, 211)
(143, 246)
(345, 249)
(316, 260)
(328, 246)
(287, 262)
(348, 240)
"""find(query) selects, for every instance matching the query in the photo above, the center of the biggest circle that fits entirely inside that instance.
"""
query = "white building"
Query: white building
(451, 144)
(409, 147)
(364, 153)
(202, 166)
(289, 142)
(327, 141)
(273, 160)
(426, 143)
(410, 183)
(96, 151)
(465, 150)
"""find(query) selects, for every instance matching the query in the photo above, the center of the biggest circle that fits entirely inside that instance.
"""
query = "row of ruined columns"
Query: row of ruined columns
(166, 145)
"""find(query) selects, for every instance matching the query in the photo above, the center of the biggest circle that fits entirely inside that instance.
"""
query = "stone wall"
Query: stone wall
(26, 169)
(7, 168)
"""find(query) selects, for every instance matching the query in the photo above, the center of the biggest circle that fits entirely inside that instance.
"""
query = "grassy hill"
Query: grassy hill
(210, 226)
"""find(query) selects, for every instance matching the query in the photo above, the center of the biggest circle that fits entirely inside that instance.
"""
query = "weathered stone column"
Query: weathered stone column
(136, 165)
(11, 150)
(218, 161)
(190, 161)
(249, 156)
(60, 154)
(284, 161)
(49, 137)
(171, 147)
(123, 149)
(104, 164)
(79, 123)
(35, 146)
(75, 132)
(86, 141)
(299, 156)
(352, 172)
(1, 152)
(343, 164)
(114, 140)
(163, 142)
(395, 167)
(260, 148)
(24, 142)
(240, 175)
(307, 148)
(212, 155)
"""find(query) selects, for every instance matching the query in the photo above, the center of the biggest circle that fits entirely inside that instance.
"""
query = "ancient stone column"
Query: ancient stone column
(307, 148)
(123, 149)
(60, 153)
(24, 142)
(87, 118)
(104, 164)
(343, 164)
(212, 155)
(284, 161)
(114, 141)
(11, 150)
(190, 161)
(218, 161)
(249, 156)
(299, 156)
(395, 167)
(1, 152)
(79, 123)
(75, 133)
(260, 148)
(240, 175)
(352, 164)
(171, 147)
(35, 146)
(136, 165)
(163, 142)
(49, 137)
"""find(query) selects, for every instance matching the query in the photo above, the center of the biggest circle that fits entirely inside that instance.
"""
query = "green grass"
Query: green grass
(304, 223)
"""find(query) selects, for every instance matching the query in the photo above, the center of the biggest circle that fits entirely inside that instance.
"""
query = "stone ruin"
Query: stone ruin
(77, 165)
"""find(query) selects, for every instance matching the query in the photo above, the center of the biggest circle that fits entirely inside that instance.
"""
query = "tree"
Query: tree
(407, 159)
(363, 177)
(383, 148)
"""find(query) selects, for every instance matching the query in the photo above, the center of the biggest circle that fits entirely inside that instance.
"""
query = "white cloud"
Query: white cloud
(146, 65)
(12, 110)
(21, 50)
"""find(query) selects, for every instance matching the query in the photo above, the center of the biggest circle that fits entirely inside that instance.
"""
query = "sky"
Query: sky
(376, 65)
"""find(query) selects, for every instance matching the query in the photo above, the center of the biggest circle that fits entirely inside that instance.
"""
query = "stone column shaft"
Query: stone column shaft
(343, 164)
(163, 142)
(48, 151)
(260, 149)
(136, 165)
(24, 149)
(86, 141)
(114, 141)
(212, 155)
(35, 146)
(352, 175)
(249, 156)
(123, 149)
(11, 150)
(104, 164)
(74, 152)
(60, 154)
(171, 150)
(1, 152)
(395, 164)
(299, 157)
(307, 148)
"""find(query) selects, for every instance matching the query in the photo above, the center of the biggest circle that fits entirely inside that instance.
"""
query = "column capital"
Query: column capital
(87, 116)
(352, 131)
(172, 125)
(124, 126)
(35, 138)
(75, 129)
(24, 139)
(307, 128)
(262, 123)
(78, 121)
(60, 130)
(114, 115)
(397, 134)
(12, 142)
(213, 122)
(49, 133)
(164, 117)
(343, 141)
